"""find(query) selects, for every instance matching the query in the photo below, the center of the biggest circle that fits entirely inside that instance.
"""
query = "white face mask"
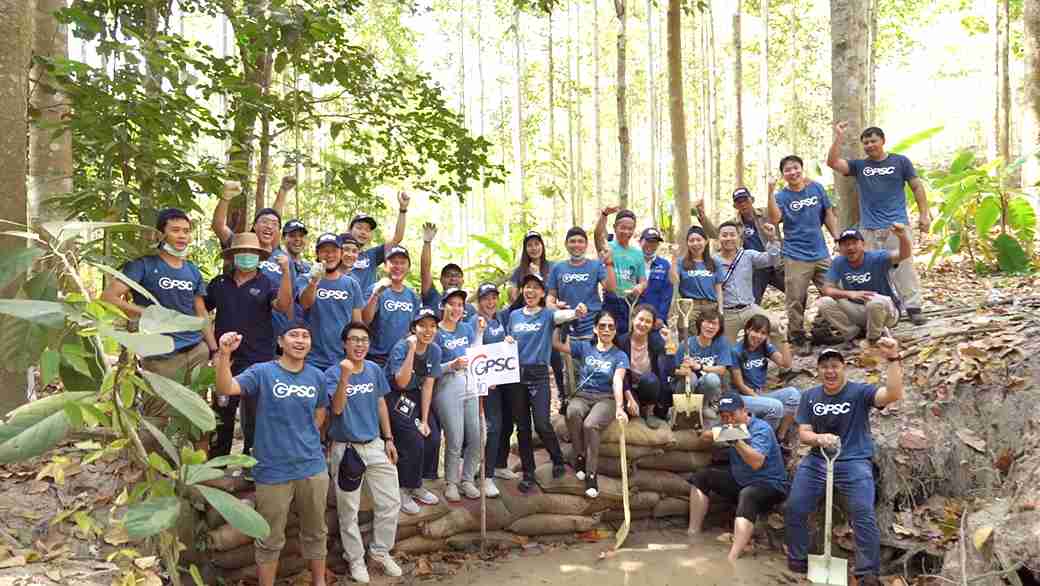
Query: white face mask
(170, 250)
(577, 257)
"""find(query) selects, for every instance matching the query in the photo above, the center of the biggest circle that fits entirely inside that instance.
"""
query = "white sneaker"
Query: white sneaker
(424, 496)
(387, 563)
(506, 474)
(470, 490)
(358, 571)
(408, 504)
(490, 490)
(452, 493)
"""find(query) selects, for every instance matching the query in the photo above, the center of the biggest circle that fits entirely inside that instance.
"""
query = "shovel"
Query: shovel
(622, 533)
(729, 433)
(631, 302)
(824, 569)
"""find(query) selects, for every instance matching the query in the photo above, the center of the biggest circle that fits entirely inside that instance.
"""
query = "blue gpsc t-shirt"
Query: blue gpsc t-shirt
(288, 445)
(270, 269)
(359, 421)
(334, 303)
(752, 239)
(432, 299)
(579, 284)
(597, 367)
(881, 198)
(432, 359)
(495, 331)
(846, 415)
(872, 275)
(699, 282)
(754, 364)
(173, 288)
(393, 318)
(718, 353)
(802, 213)
(533, 335)
(454, 344)
(366, 264)
(772, 473)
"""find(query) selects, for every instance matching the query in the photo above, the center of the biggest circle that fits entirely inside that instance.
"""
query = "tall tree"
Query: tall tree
(872, 44)
(622, 102)
(763, 84)
(571, 161)
(1003, 110)
(518, 113)
(848, 90)
(651, 90)
(716, 138)
(595, 104)
(677, 117)
(1031, 130)
(50, 155)
(738, 89)
(579, 139)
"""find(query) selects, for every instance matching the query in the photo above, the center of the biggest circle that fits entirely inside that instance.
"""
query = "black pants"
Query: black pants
(763, 278)
(224, 435)
(649, 392)
(530, 399)
(409, 442)
(499, 418)
(432, 448)
(752, 500)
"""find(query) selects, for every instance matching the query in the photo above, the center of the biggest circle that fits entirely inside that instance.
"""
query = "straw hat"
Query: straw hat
(245, 242)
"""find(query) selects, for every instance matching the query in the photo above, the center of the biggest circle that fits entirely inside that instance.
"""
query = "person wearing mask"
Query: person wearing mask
(880, 178)
(645, 347)
(707, 356)
(601, 396)
(804, 209)
(752, 356)
(737, 265)
(391, 306)
(755, 478)
(697, 273)
(413, 369)
(244, 300)
(364, 427)
(659, 290)
(836, 415)
(752, 222)
(497, 414)
(294, 234)
(532, 260)
(177, 284)
(451, 276)
(331, 299)
(530, 328)
(628, 259)
(362, 226)
(290, 471)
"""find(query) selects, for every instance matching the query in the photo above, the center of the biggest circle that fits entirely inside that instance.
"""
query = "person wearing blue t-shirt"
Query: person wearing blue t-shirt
(532, 260)
(880, 179)
(330, 299)
(294, 234)
(751, 359)
(577, 281)
(858, 291)
(452, 277)
(290, 472)
(836, 415)
(696, 272)
(804, 209)
(755, 477)
(706, 356)
(391, 306)
(177, 284)
(600, 398)
(364, 427)
(530, 328)
(497, 414)
(361, 227)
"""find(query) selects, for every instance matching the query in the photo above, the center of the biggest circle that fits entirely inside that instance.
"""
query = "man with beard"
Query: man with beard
(330, 299)
(361, 228)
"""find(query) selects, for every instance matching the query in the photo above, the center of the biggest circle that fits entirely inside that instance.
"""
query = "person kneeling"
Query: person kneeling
(755, 478)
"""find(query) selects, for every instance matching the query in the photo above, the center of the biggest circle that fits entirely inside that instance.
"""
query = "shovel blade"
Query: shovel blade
(823, 570)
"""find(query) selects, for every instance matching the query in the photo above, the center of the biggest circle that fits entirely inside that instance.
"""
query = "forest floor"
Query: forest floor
(964, 439)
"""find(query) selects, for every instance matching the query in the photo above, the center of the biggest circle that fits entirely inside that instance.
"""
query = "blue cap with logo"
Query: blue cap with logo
(327, 238)
(850, 233)
(651, 234)
(398, 251)
(730, 402)
(452, 292)
(293, 226)
(424, 313)
(486, 289)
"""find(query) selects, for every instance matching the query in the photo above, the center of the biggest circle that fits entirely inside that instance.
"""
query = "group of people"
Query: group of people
(331, 365)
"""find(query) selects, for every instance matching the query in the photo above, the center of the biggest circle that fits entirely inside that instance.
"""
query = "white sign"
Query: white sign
(490, 365)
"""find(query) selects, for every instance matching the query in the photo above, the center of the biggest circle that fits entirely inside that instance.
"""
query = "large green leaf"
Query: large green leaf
(63, 231)
(237, 513)
(183, 400)
(15, 264)
(48, 314)
(164, 441)
(196, 473)
(986, 215)
(34, 439)
(503, 253)
(916, 138)
(156, 319)
(140, 344)
(962, 161)
(152, 516)
(1010, 256)
(37, 410)
(240, 460)
(126, 281)
(49, 362)
(1022, 219)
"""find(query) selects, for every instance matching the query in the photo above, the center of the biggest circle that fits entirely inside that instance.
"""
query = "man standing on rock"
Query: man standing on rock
(833, 415)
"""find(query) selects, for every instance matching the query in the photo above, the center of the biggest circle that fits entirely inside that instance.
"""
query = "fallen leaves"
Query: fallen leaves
(981, 536)
(972, 440)
(914, 439)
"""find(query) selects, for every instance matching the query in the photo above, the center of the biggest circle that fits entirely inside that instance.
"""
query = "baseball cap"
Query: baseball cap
(267, 212)
(292, 226)
(850, 233)
(348, 238)
(828, 354)
(169, 214)
(730, 402)
(451, 265)
(696, 230)
(532, 277)
(453, 292)
(651, 234)
(424, 312)
(486, 289)
(741, 192)
(364, 218)
(625, 214)
(398, 251)
(532, 234)
(326, 238)
(295, 324)
(351, 470)
(576, 231)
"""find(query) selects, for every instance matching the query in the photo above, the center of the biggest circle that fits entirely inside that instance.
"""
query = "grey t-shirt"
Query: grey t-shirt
(738, 289)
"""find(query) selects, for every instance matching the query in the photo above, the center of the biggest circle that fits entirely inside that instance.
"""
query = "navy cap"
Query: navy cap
(533, 234)
(577, 231)
(293, 226)
(424, 313)
(625, 214)
(730, 402)
(398, 251)
(364, 218)
(295, 324)
(451, 265)
(828, 354)
(486, 289)
(696, 230)
(169, 214)
(533, 277)
(326, 238)
(351, 470)
(741, 192)
(453, 292)
(651, 234)
(267, 212)
(850, 233)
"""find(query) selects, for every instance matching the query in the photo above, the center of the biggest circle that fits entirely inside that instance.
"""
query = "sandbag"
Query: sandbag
(287, 566)
(637, 434)
(426, 513)
(689, 440)
(607, 466)
(634, 452)
(676, 461)
(553, 524)
(537, 501)
(465, 516)
(470, 540)
(609, 488)
(559, 425)
(232, 484)
(419, 544)
(226, 537)
(619, 515)
(405, 531)
(660, 481)
(672, 507)
(245, 555)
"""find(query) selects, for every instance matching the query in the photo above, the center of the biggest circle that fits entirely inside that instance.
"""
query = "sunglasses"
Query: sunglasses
(607, 327)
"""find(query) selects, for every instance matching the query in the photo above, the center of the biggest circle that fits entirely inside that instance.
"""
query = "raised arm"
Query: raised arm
(710, 229)
(225, 383)
(906, 250)
(600, 233)
(404, 373)
(339, 398)
(773, 210)
(429, 231)
(893, 390)
(403, 200)
(372, 305)
(782, 357)
(288, 183)
(219, 223)
(610, 283)
(834, 160)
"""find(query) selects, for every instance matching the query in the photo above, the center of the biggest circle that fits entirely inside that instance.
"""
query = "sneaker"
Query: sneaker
(490, 490)
(579, 467)
(798, 566)
(452, 493)
(559, 470)
(358, 571)
(408, 504)
(470, 490)
(388, 565)
(654, 422)
(916, 317)
(526, 485)
(591, 486)
(506, 474)
(424, 496)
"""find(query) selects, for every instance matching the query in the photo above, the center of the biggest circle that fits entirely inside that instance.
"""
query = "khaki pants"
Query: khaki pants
(797, 277)
(381, 478)
(904, 277)
(850, 318)
(305, 496)
(736, 318)
(587, 415)
(176, 367)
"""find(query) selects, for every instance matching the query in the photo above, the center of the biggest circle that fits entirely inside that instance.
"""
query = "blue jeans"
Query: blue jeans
(772, 407)
(855, 480)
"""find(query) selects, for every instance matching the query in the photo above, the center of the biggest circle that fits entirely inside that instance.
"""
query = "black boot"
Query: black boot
(591, 486)
(579, 467)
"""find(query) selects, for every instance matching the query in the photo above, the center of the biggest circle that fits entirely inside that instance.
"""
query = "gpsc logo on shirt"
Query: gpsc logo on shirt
(575, 277)
(749, 231)
(271, 267)
(362, 263)
(707, 361)
(454, 343)
(804, 203)
(495, 330)
(821, 409)
(751, 363)
(699, 273)
(394, 305)
(360, 389)
(871, 171)
(858, 279)
(598, 364)
(282, 390)
(168, 284)
(333, 294)
(519, 328)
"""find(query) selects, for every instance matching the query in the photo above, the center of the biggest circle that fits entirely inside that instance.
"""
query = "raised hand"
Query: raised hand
(889, 347)
(611, 210)
(412, 340)
(581, 310)
(429, 231)
(288, 183)
(283, 261)
(229, 342)
(231, 190)
(770, 231)
(840, 128)
(317, 270)
(403, 199)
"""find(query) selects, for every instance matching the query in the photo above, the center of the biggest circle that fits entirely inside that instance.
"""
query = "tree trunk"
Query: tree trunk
(552, 91)
(483, 111)
(578, 168)
(518, 114)
(623, 140)
(792, 126)
(763, 83)
(872, 20)
(1003, 113)
(704, 169)
(651, 91)
(595, 104)
(1031, 127)
(848, 89)
(677, 118)
(738, 88)
(50, 158)
(263, 168)
(571, 181)
(716, 139)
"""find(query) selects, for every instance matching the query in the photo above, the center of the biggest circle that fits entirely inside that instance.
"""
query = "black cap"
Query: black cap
(651, 234)
(730, 402)
(576, 231)
(451, 265)
(398, 251)
(351, 470)
(293, 226)
(326, 238)
(850, 233)
(169, 214)
(486, 289)
(696, 230)
(348, 238)
(295, 324)
(424, 312)
(364, 218)
(741, 192)
(266, 212)
(829, 353)
(533, 234)
(625, 214)
(453, 292)
(532, 277)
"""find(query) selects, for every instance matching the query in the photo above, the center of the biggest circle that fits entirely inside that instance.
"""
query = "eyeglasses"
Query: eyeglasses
(267, 222)
(608, 327)
(359, 340)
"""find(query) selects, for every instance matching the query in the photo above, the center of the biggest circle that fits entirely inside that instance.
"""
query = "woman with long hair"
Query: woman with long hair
(752, 356)
(697, 273)
(532, 261)
(644, 347)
